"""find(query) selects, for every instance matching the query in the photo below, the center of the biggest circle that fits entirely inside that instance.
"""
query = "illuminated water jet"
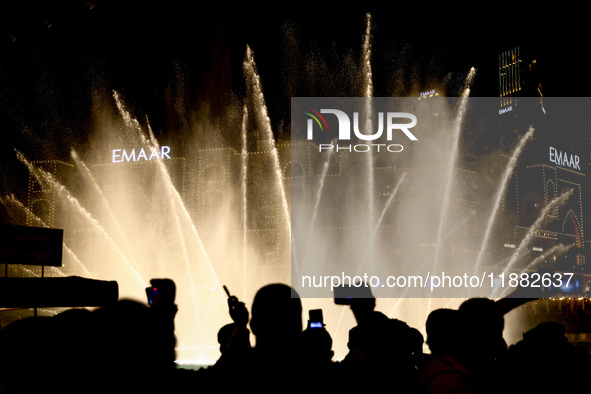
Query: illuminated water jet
(369, 114)
(525, 241)
(87, 173)
(500, 193)
(244, 170)
(451, 165)
(222, 210)
(12, 200)
(46, 178)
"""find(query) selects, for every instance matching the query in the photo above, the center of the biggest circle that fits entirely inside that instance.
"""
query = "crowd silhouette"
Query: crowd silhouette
(128, 347)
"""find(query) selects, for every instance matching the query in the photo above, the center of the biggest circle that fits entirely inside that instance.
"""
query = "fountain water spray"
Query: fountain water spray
(88, 174)
(500, 193)
(11, 199)
(320, 189)
(254, 83)
(452, 162)
(556, 249)
(244, 169)
(46, 178)
(389, 202)
(175, 197)
(456, 226)
(369, 113)
(162, 201)
(524, 242)
(261, 114)
(381, 218)
(180, 211)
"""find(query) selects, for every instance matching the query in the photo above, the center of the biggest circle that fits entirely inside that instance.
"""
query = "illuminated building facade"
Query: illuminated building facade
(518, 76)
(551, 165)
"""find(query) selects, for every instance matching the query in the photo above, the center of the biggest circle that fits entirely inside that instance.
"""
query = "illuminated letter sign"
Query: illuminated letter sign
(122, 155)
(564, 159)
(429, 93)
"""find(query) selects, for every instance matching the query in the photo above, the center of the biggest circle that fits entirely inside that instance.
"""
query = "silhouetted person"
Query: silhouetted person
(49, 354)
(234, 338)
(471, 352)
(315, 347)
(73, 336)
(234, 344)
(224, 336)
(545, 362)
(26, 351)
(363, 309)
(131, 353)
(361, 301)
(444, 372)
(161, 297)
(276, 320)
(314, 359)
(416, 341)
(380, 354)
(442, 328)
(483, 345)
(271, 365)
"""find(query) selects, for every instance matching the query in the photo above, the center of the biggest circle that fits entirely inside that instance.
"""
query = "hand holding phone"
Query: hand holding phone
(161, 293)
(238, 311)
(316, 319)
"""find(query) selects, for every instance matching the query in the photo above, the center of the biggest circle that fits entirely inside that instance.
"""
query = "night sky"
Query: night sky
(56, 54)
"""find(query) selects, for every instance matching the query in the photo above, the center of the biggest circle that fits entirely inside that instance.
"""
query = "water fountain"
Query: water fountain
(235, 206)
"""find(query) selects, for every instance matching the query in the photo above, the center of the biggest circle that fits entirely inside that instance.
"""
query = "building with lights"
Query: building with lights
(552, 165)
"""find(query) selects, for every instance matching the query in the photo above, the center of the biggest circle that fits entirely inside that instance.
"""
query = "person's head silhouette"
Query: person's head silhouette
(483, 325)
(276, 317)
(442, 327)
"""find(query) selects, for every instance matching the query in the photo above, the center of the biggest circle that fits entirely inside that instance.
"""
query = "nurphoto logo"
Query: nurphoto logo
(393, 126)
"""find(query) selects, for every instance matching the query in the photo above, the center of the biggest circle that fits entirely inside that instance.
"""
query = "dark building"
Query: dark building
(552, 164)
(518, 76)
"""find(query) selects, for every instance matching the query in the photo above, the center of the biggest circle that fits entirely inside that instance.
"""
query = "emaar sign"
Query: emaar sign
(564, 159)
(123, 156)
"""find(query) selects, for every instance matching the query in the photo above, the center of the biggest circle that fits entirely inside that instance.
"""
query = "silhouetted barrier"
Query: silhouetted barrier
(71, 291)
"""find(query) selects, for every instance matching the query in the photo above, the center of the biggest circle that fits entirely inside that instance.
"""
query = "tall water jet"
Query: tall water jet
(46, 178)
(500, 194)
(524, 242)
(88, 174)
(319, 191)
(256, 98)
(174, 197)
(376, 228)
(254, 84)
(219, 209)
(244, 170)
(368, 115)
(391, 198)
(452, 162)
